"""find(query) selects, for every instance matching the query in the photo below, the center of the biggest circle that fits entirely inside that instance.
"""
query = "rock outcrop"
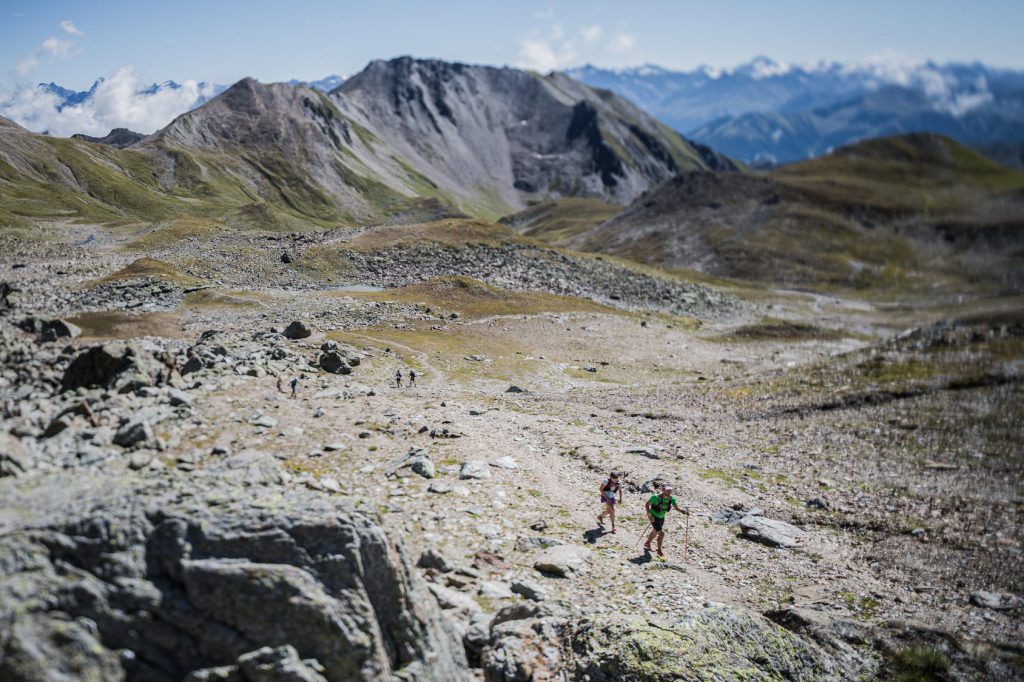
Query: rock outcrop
(713, 643)
(117, 577)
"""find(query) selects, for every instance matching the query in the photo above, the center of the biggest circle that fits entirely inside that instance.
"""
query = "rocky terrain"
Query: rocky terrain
(280, 401)
(172, 510)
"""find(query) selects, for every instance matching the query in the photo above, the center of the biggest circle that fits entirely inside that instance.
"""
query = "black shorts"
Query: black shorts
(658, 523)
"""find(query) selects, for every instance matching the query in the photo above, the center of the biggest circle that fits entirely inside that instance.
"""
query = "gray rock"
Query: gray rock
(139, 460)
(330, 484)
(122, 367)
(770, 531)
(476, 637)
(563, 560)
(474, 469)
(202, 571)
(649, 451)
(14, 456)
(432, 558)
(998, 601)
(494, 589)
(526, 544)
(448, 599)
(335, 363)
(506, 462)
(52, 330)
(178, 398)
(296, 330)
(133, 433)
(416, 460)
(530, 589)
(515, 389)
(439, 488)
(193, 364)
(280, 664)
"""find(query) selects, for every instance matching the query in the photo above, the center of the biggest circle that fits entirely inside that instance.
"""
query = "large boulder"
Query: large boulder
(713, 643)
(335, 362)
(770, 532)
(563, 560)
(115, 577)
(47, 331)
(122, 367)
(296, 330)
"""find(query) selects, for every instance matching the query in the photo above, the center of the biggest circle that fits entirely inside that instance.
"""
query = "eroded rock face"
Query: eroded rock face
(713, 643)
(108, 578)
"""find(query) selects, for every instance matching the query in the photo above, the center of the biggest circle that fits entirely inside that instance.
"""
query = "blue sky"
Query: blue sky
(72, 43)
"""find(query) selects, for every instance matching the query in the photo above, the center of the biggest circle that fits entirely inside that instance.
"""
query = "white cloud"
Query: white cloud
(547, 52)
(591, 34)
(55, 48)
(622, 42)
(117, 103)
(70, 28)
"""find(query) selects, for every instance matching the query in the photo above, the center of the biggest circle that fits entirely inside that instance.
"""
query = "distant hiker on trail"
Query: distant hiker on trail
(412, 377)
(657, 507)
(611, 494)
(294, 383)
(280, 388)
(398, 378)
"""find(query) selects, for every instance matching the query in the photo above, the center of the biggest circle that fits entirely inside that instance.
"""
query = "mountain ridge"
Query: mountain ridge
(403, 138)
(913, 211)
(768, 112)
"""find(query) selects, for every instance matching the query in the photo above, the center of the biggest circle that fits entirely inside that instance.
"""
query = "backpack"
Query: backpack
(663, 505)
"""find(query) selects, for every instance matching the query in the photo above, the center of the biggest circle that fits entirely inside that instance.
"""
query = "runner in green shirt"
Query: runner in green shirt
(657, 507)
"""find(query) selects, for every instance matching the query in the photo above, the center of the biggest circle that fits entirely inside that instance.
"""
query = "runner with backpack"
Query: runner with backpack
(611, 494)
(657, 507)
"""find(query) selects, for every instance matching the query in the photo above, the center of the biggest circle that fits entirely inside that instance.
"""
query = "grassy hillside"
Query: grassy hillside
(911, 213)
(560, 220)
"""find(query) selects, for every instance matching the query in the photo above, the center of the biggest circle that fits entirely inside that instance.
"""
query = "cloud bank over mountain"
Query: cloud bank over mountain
(120, 101)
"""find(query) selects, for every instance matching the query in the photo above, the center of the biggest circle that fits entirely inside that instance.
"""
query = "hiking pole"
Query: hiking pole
(686, 537)
(642, 535)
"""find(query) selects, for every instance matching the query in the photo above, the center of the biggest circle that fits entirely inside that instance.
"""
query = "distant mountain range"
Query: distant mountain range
(762, 112)
(402, 140)
(767, 112)
(208, 90)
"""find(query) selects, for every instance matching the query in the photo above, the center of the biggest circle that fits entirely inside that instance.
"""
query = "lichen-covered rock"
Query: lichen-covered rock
(110, 577)
(713, 643)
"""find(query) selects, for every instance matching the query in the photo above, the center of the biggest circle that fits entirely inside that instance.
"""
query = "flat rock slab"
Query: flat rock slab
(474, 469)
(493, 589)
(563, 560)
(649, 451)
(770, 531)
(505, 463)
